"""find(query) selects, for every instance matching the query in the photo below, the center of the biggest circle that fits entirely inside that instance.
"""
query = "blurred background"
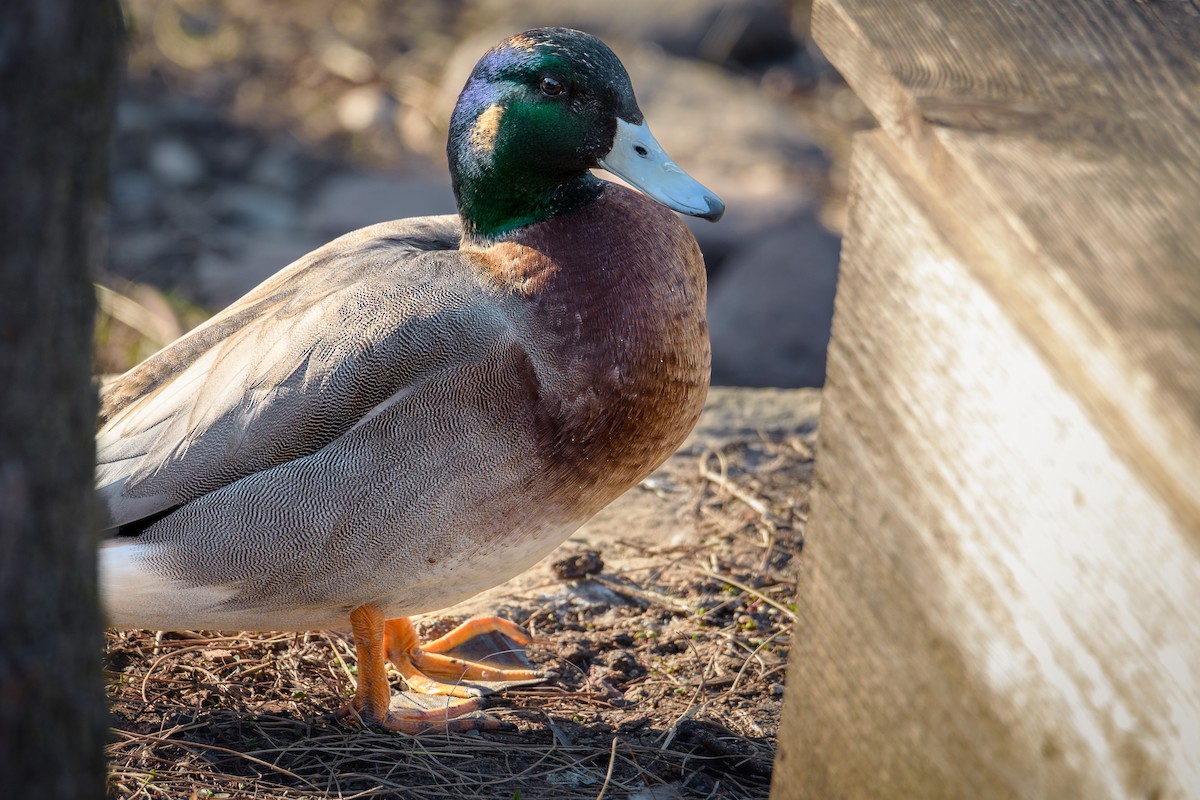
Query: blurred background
(252, 131)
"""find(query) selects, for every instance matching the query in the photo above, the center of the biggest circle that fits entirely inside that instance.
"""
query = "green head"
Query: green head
(539, 111)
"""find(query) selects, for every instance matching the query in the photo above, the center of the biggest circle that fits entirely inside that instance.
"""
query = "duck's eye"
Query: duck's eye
(552, 87)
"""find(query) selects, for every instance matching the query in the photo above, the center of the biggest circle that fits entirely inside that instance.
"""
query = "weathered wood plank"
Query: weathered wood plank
(1067, 133)
(995, 605)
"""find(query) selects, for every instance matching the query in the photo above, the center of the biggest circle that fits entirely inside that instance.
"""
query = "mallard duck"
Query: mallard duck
(422, 409)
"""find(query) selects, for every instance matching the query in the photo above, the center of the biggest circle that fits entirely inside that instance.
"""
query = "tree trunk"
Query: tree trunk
(58, 74)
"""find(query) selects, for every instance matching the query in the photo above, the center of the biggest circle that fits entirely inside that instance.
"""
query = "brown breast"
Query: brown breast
(609, 303)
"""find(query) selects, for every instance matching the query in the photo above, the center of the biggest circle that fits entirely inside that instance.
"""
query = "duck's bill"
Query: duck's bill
(637, 157)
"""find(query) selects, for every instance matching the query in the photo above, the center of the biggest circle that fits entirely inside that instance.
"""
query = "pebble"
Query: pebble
(360, 108)
(175, 163)
(575, 653)
(778, 288)
(578, 565)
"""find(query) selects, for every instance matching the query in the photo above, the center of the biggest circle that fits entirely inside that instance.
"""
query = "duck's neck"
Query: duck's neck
(502, 183)
(493, 203)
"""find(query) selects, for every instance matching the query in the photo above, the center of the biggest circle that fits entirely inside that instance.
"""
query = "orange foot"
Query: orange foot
(435, 668)
(430, 670)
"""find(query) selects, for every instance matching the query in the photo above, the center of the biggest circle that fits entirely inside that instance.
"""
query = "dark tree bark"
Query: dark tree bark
(58, 73)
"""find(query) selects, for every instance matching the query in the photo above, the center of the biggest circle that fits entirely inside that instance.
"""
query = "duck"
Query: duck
(424, 408)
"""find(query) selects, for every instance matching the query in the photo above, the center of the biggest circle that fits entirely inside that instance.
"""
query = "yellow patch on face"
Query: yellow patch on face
(483, 132)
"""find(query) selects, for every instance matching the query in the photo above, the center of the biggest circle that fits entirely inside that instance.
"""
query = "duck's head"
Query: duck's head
(539, 111)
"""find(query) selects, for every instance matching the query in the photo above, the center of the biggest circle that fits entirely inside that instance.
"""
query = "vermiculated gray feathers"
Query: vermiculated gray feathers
(290, 367)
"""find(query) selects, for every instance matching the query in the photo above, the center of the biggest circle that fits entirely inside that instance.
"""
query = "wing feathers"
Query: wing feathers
(290, 367)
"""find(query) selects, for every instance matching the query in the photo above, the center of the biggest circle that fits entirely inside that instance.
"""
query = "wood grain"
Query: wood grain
(994, 604)
(1067, 133)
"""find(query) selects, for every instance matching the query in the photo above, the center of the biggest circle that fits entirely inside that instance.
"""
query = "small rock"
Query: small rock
(602, 684)
(360, 108)
(620, 661)
(176, 163)
(770, 308)
(578, 565)
(575, 653)
(595, 596)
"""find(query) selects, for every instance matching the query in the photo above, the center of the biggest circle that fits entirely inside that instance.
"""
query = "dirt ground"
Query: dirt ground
(666, 621)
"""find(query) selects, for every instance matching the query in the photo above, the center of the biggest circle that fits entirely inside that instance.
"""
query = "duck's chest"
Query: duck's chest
(615, 329)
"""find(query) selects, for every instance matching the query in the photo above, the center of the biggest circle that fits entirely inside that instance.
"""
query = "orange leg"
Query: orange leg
(373, 697)
(431, 669)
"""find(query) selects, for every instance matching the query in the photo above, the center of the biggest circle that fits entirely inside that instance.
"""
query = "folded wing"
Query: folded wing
(291, 366)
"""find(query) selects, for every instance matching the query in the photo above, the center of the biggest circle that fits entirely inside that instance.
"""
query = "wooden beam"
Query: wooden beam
(1002, 571)
(1066, 133)
(994, 603)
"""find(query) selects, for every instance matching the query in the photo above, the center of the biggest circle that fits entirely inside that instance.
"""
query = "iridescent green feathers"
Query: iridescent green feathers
(538, 112)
